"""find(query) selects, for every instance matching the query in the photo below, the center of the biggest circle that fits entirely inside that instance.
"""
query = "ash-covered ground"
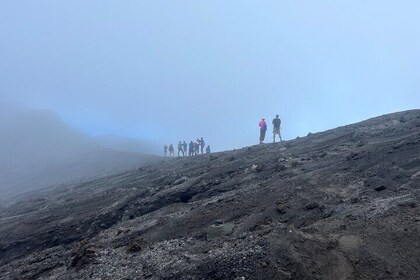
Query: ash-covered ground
(341, 204)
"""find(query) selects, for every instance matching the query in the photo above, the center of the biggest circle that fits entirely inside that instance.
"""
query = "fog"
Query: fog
(164, 71)
(38, 150)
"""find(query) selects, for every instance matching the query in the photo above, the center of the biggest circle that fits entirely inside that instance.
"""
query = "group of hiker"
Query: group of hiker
(195, 147)
(276, 129)
(192, 149)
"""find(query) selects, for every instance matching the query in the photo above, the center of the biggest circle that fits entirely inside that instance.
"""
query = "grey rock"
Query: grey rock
(311, 206)
(380, 188)
(220, 230)
(282, 208)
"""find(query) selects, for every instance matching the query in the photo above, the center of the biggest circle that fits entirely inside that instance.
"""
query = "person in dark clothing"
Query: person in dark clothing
(276, 128)
(180, 149)
(263, 130)
(171, 150)
(165, 150)
(202, 145)
(185, 146)
(191, 149)
(208, 149)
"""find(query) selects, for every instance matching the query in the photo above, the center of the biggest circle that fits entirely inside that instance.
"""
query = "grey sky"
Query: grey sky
(169, 70)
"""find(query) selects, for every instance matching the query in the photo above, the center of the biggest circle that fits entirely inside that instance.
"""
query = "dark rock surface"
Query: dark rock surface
(341, 204)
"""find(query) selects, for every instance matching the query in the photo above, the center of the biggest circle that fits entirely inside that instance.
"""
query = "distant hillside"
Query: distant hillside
(126, 144)
(340, 204)
(37, 149)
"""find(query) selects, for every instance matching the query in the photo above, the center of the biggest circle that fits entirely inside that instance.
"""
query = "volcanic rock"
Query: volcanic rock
(208, 217)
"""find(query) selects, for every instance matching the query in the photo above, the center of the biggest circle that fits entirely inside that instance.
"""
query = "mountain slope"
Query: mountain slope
(128, 144)
(38, 150)
(341, 204)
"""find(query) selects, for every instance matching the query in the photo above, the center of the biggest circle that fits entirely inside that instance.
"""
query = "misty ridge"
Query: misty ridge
(37, 150)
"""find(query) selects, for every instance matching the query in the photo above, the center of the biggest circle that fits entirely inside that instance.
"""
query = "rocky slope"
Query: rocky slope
(341, 204)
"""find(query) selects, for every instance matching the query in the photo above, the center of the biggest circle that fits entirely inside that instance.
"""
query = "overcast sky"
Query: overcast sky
(169, 70)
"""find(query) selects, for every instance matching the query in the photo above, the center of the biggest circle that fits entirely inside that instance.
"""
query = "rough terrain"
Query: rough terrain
(341, 204)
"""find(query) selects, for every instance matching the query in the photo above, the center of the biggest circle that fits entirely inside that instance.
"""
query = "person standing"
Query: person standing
(197, 147)
(208, 149)
(263, 130)
(171, 150)
(202, 145)
(165, 150)
(185, 146)
(191, 149)
(276, 128)
(180, 149)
